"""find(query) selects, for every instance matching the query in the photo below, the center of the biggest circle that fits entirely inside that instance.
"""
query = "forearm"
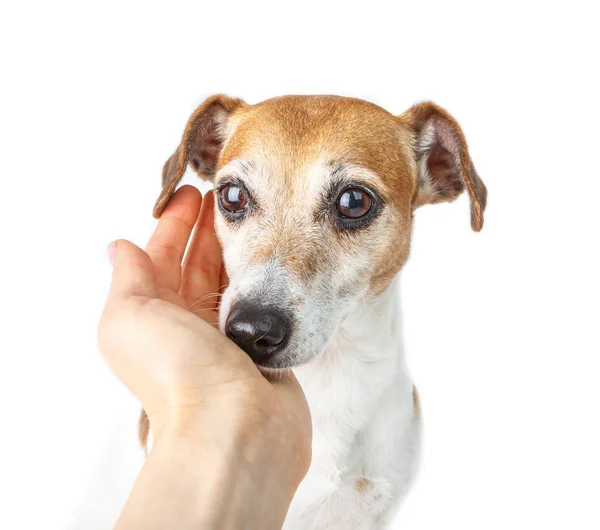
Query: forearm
(192, 481)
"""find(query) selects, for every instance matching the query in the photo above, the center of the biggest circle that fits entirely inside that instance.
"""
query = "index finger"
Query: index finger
(170, 238)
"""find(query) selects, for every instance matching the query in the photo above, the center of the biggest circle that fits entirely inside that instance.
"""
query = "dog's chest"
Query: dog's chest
(363, 438)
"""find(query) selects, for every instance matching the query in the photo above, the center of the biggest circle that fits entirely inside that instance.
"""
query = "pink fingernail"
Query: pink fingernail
(112, 252)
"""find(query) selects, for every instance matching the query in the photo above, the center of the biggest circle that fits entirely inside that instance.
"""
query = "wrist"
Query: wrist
(258, 427)
(247, 471)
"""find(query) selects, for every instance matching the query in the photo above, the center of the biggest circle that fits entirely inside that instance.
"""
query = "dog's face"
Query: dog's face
(315, 199)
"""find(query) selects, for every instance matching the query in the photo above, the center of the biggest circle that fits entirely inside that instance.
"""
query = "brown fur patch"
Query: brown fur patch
(418, 118)
(416, 403)
(362, 485)
(144, 430)
(200, 145)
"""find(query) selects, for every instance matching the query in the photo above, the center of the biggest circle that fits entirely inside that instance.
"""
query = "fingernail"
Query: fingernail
(112, 252)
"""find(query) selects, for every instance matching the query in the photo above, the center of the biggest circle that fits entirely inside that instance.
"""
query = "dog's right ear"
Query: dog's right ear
(200, 145)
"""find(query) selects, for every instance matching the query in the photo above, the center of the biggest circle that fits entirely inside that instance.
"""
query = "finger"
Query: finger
(133, 272)
(202, 264)
(168, 242)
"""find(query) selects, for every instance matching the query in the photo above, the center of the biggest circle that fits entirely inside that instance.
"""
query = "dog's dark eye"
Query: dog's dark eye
(233, 198)
(354, 203)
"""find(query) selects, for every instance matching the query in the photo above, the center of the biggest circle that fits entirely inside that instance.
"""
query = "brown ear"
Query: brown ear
(445, 168)
(200, 145)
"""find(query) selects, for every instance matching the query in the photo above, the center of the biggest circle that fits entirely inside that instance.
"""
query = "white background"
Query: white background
(502, 328)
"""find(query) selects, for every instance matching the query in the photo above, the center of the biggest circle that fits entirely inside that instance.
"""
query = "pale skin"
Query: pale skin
(230, 446)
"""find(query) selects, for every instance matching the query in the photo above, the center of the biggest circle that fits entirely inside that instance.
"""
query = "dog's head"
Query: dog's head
(315, 200)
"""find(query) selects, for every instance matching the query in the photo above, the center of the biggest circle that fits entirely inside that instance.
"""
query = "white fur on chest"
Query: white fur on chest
(365, 432)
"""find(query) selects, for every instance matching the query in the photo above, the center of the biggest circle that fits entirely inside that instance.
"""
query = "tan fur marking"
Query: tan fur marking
(200, 124)
(417, 118)
(362, 485)
(416, 403)
(144, 430)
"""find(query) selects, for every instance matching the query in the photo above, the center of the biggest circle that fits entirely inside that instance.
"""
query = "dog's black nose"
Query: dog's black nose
(261, 332)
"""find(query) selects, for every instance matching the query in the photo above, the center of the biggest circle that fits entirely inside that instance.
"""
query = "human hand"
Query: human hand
(157, 335)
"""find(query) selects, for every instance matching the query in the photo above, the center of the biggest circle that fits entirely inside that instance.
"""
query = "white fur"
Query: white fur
(365, 427)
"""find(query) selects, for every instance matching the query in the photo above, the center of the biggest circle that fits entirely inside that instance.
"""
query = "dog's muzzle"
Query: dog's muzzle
(260, 331)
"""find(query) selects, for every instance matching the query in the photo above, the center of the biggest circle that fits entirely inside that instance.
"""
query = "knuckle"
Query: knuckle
(164, 250)
(201, 266)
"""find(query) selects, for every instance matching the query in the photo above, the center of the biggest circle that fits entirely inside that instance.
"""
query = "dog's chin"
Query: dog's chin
(275, 365)
(283, 362)
(272, 373)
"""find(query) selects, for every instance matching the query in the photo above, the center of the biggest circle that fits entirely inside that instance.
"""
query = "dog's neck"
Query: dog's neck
(364, 358)
(357, 390)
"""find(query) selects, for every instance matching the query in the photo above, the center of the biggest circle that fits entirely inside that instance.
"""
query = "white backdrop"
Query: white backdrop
(501, 326)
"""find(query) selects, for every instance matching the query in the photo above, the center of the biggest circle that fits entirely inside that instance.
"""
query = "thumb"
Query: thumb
(133, 271)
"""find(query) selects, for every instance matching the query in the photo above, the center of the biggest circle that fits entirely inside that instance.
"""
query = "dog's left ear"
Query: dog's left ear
(444, 165)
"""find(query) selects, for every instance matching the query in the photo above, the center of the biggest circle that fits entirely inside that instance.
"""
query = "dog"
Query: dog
(315, 199)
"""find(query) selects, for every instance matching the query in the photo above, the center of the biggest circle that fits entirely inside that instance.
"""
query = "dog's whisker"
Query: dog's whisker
(199, 309)
(207, 296)
(262, 336)
(206, 300)
(204, 307)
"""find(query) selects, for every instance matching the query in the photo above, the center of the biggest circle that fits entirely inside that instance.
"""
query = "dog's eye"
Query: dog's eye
(233, 198)
(354, 203)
